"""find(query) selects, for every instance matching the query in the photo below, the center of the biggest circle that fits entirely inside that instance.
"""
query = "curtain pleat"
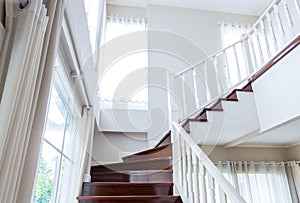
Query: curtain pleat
(41, 95)
(264, 182)
(26, 54)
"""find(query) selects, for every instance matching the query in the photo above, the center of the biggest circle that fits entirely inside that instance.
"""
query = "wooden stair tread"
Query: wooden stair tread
(137, 161)
(133, 197)
(166, 139)
(146, 176)
(161, 151)
(148, 151)
(142, 172)
(136, 198)
(232, 95)
(124, 184)
(126, 189)
(159, 163)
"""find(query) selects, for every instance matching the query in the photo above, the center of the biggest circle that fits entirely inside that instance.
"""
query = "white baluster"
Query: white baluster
(184, 95)
(297, 5)
(211, 186)
(271, 27)
(256, 33)
(189, 174)
(226, 70)
(278, 18)
(179, 159)
(287, 13)
(184, 168)
(203, 195)
(218, 81)
(263, 29)
(222, 195)
(253, 55)
(195, 178)
(247, 56)
(237, 63)
(196, 93)
(206, 79)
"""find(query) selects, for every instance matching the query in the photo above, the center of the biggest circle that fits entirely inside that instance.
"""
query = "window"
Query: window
(124, 80)
(56, 160)
(94, 9)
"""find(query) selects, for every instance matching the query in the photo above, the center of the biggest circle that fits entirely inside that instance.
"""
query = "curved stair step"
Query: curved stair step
(161, 151)
(164, 163)
(129, 199)
(126, 189)
(165, 140)
(146, 176)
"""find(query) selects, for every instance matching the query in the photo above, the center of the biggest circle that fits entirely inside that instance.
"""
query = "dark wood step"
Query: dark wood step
(129, 199)
(165, 140)
(186, 126)
(248, 86)
(163, 163)
(126, 189)
(161, 151)
(233, 94)
(147, 176)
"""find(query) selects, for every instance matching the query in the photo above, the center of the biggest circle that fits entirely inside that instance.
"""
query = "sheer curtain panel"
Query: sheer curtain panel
(263, 182)
(126, 67)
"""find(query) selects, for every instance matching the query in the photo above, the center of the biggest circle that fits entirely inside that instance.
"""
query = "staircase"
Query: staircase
(142, 177)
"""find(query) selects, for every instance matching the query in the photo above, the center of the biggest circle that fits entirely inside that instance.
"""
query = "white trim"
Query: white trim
(74, 55)
(2, 35)
(293, 145)
(242, 139)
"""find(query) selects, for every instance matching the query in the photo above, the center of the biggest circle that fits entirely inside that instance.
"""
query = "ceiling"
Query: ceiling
(254, 7)
(287, 134)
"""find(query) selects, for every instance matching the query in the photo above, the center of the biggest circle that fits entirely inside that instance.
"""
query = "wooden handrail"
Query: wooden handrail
(291, 46)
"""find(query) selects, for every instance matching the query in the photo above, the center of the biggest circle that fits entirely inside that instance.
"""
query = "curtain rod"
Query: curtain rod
(127, 17)
(255, 163)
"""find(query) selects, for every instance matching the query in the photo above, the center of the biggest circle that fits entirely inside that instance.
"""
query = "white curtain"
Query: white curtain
(27, 56)
(128, 68)
(293, 174)
(231, 33)
(18, 101)
(263, 182)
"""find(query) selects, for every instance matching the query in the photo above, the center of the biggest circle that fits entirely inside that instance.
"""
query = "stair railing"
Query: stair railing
(196, 178)
(231, 66)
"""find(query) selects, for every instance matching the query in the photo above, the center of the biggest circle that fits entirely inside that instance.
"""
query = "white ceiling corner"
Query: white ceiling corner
(254, 7)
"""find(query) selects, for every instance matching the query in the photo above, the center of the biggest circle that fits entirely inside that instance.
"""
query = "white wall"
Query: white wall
(125, 10)
(111, 146)
(178, 38)
(123, 120)
(255, 154)
(294, 152)
(247, 154)
(277, 92)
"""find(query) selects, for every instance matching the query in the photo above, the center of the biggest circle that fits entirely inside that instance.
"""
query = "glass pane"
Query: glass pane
(64, 184)
(56, 120)
(47, 175)
(69, 137)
